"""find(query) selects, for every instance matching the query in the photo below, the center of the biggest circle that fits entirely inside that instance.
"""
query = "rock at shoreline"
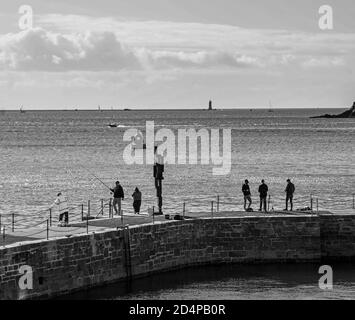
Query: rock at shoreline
(347, 114)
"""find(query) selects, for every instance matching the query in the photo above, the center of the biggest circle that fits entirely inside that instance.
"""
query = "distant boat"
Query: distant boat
(21, 110)
(112, 123)
(270, 107)
(139, 143)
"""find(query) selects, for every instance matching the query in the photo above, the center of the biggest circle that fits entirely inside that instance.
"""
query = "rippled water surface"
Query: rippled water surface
(267, 282)
(42, 153)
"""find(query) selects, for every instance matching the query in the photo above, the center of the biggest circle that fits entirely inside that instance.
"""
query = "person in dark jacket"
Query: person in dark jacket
(137, 201)
(247, 194)
(263, 190)
(118, 196)
(290, 190)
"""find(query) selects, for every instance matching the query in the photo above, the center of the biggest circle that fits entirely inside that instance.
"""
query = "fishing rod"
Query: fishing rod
(97, 178)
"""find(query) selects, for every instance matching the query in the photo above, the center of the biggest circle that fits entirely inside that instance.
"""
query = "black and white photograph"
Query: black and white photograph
(177, 156)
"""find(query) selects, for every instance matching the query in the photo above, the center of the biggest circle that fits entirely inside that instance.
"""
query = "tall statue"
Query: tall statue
(158, 176)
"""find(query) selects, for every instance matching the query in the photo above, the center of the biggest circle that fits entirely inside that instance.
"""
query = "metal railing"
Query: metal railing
(81, 215)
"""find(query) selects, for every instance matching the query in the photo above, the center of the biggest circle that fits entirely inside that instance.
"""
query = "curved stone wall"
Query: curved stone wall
(64, 265)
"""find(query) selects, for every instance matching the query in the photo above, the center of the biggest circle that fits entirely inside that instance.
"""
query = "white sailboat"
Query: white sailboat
(270, 107)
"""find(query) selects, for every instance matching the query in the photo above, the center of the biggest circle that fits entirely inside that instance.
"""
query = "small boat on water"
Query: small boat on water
(139, 143)
(270, 107)
(112, 123)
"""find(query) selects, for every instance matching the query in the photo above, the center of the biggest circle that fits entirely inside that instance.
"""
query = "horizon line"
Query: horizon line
(169, 109)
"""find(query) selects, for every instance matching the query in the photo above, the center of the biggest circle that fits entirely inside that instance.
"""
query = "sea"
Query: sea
(76, 152)
(234, 282)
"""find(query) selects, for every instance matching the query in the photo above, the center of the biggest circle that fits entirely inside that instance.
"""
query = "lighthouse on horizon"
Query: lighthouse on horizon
(210, 107)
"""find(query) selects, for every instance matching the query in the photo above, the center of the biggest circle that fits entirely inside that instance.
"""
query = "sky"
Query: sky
(148, 54)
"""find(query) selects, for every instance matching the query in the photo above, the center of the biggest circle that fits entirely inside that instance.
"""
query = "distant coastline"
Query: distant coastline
(172, 109)
(347, 114)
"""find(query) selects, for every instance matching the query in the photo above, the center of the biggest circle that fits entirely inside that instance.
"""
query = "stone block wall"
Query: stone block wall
(337, 237)
(64, 265)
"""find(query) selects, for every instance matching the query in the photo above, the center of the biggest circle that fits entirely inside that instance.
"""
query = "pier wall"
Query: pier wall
(337, 237)
(74, 263)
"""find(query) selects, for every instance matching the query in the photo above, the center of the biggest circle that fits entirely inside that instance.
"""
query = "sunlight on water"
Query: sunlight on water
(43, 153)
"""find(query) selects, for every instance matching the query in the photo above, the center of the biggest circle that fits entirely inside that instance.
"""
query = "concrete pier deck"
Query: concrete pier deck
(102, 224)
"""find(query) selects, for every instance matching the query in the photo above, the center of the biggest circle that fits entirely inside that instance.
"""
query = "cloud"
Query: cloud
(323, 62)
(73, 43)
(41, 50)
(162, 59)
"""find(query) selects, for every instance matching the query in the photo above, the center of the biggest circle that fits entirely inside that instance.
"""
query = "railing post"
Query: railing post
(311, 202)
(102, 206)
(82, 212)
(153, 216)
(218, 203)
(317, 205)
(50, 216)
(353, 201)
(268, 203)
(87, 224)
(0, 223)
(212, 209)
(183, 210)
(47, 229)
(4, 233)
(88, 208)
(109, 208)
(13, 222)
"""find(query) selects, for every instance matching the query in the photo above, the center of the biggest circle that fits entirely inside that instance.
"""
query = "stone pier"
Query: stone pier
(80, 261)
